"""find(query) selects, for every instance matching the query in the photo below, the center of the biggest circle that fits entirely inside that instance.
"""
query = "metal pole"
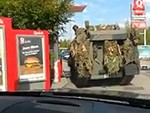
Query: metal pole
(56, 47)
(56, 51)
(145, 37)
(145, 40)
(70, 30)
(130, 15)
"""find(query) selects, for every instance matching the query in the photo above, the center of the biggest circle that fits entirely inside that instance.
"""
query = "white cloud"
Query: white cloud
(95, 6)
(121, 25)
(147, 1)
(86, 17)
(85, 11)
(126, 19)
(148, 16)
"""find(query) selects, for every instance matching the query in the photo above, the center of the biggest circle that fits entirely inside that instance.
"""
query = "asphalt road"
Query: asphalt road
(140, 84)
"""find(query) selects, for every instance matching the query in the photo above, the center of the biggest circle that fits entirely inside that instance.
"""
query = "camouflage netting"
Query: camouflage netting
(115, 55)
(79, 49)
(101, 27)
(91, 28)
(112, 57)
(107, 27)
(130, 51)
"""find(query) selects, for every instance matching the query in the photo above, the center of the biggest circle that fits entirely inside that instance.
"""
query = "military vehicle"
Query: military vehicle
(105, 54)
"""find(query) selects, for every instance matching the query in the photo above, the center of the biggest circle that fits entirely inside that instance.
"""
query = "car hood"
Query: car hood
(99, 93)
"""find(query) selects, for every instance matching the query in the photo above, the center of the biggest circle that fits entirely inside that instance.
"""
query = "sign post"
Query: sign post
(145, 40)
(138, 17)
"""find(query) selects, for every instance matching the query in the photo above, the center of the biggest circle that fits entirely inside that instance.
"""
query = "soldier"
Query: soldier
(112, 57)
(129, 50)
(80, 51)
(75, 27)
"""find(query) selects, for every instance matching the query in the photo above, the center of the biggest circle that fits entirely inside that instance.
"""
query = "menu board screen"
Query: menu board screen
(31, 60)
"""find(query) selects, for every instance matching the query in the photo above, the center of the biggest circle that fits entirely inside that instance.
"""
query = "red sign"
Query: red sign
(12, 57)
(138, 7)
(138, 24)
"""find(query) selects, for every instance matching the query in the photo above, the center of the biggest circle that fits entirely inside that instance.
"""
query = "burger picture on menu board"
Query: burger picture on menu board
(32, 65)
(32, 62)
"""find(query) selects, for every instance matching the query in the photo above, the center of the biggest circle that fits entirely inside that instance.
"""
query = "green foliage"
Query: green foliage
(127, 25)
(140, 36)
(147, 37)
(64, 43)
(52, 58)
(37, 14)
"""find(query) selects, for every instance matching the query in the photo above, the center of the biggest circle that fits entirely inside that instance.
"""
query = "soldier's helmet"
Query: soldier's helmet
(75, 27)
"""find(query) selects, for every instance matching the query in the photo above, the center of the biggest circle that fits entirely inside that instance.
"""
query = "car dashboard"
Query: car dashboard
(29, 104)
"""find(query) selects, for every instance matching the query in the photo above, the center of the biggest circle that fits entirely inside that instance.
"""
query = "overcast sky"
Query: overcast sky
(103, 12)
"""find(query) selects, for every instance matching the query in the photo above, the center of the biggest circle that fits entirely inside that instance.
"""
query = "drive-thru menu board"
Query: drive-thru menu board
(2, 60)
(1, 65)
(31, 58)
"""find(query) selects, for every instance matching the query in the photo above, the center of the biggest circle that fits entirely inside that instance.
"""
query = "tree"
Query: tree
(138, 34)
(64, 43)
(127, 25)
(142, 37)
(148, 36)
(37, 14)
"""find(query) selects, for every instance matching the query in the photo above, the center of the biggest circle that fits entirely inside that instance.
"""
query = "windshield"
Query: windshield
(89, 45)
